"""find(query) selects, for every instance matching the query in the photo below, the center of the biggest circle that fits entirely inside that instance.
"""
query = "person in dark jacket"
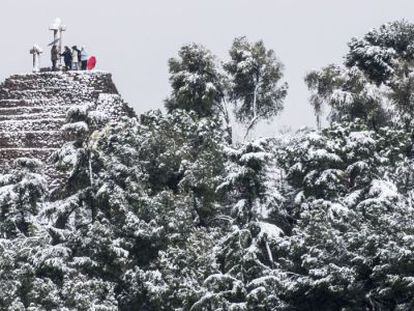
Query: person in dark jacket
(54, 54)
(67, 58)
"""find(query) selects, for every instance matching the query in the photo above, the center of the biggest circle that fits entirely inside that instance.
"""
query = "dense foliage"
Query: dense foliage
(164, 212)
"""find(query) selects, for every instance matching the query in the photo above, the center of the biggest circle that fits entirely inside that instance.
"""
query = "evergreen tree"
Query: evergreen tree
(22, 192)
(381, 51)
(255, 74)
(162, 213)
(375, 83)
(401, 89)
(245, 180)
(196, 82)
(349, 95)
(347, 211)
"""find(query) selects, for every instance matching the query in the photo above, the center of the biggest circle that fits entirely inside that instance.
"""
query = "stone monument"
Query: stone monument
(36, 51)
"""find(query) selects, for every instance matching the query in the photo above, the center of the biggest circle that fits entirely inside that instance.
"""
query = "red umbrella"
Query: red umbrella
(91, 63)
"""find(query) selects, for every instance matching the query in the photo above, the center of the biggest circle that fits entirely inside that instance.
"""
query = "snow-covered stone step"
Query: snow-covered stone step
(31, 125)
(31, 139)
(76, 95)
(83, 76)
(37, 81)
(32, 116)
(30, 110)
(16, 85)
(21, 85)
(10, 154)
(45, 92)
(10, 103)
(98, 80)
(42, 76)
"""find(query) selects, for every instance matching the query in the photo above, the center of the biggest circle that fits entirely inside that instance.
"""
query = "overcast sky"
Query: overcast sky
(133, 39)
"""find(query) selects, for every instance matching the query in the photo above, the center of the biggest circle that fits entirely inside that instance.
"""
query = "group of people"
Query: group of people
(74, 58)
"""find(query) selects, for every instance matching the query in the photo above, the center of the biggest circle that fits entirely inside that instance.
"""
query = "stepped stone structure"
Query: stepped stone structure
(33, 109)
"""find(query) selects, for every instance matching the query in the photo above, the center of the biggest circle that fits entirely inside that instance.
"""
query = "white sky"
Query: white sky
(133, 39)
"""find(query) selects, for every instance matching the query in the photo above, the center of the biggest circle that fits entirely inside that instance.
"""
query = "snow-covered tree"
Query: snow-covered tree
(196, 82)
(351, 254)
(349, 208)
(255, 82)
(161, 212)
(246, 273)
(381, 51)
(22, 192)
(252, 182)
(375, 84)
(348, 95)
(400, 94)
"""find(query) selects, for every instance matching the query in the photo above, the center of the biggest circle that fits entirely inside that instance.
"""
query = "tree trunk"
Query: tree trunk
(318, 121)
(254, 119)
(269, 254)
(229, 128)
(90, 169)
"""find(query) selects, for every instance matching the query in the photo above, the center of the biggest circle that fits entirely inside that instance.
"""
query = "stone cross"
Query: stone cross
(58, 30)
(36, 51)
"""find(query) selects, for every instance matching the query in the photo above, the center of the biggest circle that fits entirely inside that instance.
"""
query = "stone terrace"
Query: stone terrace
(33, 109)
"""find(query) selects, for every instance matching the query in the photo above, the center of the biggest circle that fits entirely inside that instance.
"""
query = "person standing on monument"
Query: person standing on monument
(84, 58)
(54, 54)
(75, 58)
(67, 58)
